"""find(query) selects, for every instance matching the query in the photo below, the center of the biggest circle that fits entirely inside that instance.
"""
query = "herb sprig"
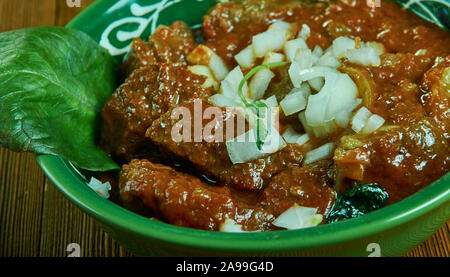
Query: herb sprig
(256, 105)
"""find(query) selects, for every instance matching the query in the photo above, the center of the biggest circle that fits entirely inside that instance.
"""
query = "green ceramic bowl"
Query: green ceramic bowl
(390, 231)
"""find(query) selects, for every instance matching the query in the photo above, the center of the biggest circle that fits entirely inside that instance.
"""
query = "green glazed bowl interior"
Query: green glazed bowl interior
(417, 216)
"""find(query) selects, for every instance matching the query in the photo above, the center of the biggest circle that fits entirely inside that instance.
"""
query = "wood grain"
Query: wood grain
(35, 218)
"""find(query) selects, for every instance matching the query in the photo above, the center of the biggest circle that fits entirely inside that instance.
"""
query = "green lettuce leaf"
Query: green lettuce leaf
(54, 82)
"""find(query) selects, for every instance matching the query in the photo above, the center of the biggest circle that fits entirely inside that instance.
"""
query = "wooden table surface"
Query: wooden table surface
(35, 218)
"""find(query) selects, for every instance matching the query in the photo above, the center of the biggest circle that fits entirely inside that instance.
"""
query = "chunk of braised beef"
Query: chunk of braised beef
(166, 45)
(212, 156)
(146, 94)
(184, 200)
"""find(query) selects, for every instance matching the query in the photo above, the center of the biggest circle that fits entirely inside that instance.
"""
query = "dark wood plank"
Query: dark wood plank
(35, 218)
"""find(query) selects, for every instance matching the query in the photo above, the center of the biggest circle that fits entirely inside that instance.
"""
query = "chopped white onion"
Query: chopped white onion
(298, 75)
(360, 118)
(344, 94)
(373, 123)
(244, 148)
(320, 113)
(101, 188)
(363, 56)
(316, 83)
(259, 83)
(302, 118)
(323, 152)
(316, 71)
(230, 85)
(273, 57)
(245, 58)
(318, 52)
(304, 32)
(291, 47)
(205, 71)
(304, 58)
(221, 100)
(268, 41)
(293, 72)
(378, 47)
(230, 226)
(341, 45)
(303, 139)
(343, 117)
(271, 101)
(297, 217)
(293, 102)
(328, 59)
(218, 67)
(290, 135)
(280, 26)
(203, 55)
(316, 111)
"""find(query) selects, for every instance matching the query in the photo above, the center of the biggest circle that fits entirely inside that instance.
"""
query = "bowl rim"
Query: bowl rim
(68, 181)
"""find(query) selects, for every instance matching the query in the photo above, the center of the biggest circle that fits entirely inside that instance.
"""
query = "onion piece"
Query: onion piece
(290, 135)
(230, 85)
(294, 74)
(245, 58)
(373, 123)
(273, 57)
(297, 217)
(341, 45)
(293, 102)
(303, 139)
(271, 102)
(343, 117)
(360, 118)
(280, 26)
(220, 100)
(304, 58)
(318, 51)
(244, 148)
(344, 94)
(316, 83)
(101, 188)
(259, 83)
(203, 70)
(323, 152)
(302, 118)
(378, 47)
(316, 111)
(268, 41)
(218, 67)
(316, 71)
(230, 226)
(328, 59)
(304, 32)
(291, 47)
(203, 55)
(364, 56)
